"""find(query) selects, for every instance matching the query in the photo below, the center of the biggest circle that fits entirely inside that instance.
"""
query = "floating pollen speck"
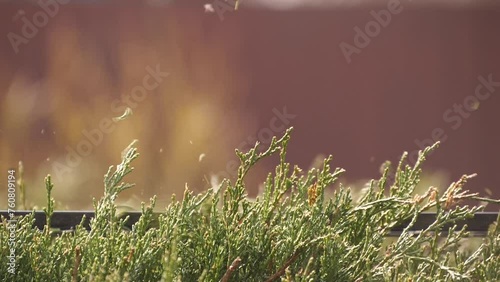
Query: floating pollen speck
(190, 142)
(214, 182)
(18, 14)
(209, 8)
(201, 157)
(161, 150)
(48, 159)
(128, 112)
(43, 131)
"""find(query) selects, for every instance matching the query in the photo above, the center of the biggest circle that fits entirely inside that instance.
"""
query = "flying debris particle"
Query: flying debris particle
(206, 179)
(17, 15)
(190, 142)
(126, 114)
(475, 106)
(385, 165)
(161, 150)
(209, 8)
(53, 132)
(488, 191)
(129, 147)
(215, 183)
(48, 159)
(201, 157)
(43, 131)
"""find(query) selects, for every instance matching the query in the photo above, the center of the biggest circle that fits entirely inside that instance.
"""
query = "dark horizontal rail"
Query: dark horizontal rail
(67, 220)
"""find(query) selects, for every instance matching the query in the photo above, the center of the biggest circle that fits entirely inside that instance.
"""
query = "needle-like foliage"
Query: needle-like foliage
(292, 232)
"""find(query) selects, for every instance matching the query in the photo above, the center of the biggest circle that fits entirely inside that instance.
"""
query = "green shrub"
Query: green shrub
(289, 233)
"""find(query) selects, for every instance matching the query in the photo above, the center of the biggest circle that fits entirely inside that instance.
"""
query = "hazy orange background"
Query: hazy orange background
(225, 79)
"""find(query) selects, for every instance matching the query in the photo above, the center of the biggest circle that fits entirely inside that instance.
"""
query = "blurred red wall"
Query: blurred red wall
(392, 95)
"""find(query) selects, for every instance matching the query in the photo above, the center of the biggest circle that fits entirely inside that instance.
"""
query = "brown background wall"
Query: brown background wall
(236, 71)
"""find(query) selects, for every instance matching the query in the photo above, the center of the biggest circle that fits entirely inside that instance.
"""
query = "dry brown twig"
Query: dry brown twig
(78, 258)
(236, 263)
(282, 270)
